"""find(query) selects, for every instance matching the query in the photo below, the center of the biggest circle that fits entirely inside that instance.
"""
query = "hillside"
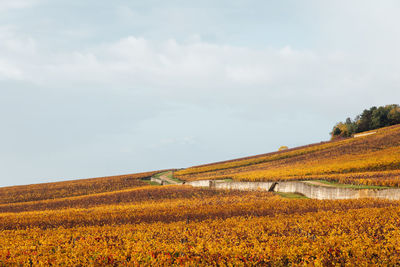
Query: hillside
(127, 220)
(79, 187)
(370, 160)
(182, 225)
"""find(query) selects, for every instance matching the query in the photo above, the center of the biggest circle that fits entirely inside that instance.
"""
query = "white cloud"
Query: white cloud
(16, 4)
(15, 45)
(207, 81)
(197, 72)
(168, 65)
(8, 71)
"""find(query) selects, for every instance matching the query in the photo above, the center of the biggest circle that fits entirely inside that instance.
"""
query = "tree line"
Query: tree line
(369, 119)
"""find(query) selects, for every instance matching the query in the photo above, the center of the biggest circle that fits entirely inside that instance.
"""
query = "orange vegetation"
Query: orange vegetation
(71, 188)
(363, 160)
(192, 226)
(122, 221)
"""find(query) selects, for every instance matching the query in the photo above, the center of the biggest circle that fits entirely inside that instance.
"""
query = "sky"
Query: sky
(95, 88)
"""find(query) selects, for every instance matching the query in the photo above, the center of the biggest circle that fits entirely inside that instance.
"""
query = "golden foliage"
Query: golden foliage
(205, 227)
(117, 221)
(64, 189)
(370, 156)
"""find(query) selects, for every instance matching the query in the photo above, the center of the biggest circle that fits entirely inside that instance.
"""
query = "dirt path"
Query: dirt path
(165, 177)
(363, 134)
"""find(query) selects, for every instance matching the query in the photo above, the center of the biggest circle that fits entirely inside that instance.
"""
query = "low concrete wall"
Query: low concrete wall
(244, 185)
(201, 183)
(221, 184)
(156, 180)
(392, 194)
(363, 134)
(317, 192)
(326, 192)
(308, 190)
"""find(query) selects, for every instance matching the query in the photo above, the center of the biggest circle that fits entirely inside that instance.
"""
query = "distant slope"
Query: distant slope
(372, 159)
(72, 188)
(130, 196)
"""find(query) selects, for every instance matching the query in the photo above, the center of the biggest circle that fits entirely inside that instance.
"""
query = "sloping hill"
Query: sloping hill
(371, 159)
(34, 192)
(123, 221)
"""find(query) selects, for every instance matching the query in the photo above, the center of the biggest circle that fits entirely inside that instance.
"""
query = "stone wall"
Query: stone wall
(201, 183)
(244, 185)
(308, 190)
(328, 192)
(156, 180)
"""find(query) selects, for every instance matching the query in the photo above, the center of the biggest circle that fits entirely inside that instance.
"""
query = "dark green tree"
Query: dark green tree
(369, 119)
(379, 118)
(363, 121)
(394, 115)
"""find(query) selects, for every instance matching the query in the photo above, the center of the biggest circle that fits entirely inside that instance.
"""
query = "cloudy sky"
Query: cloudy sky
(94, 88)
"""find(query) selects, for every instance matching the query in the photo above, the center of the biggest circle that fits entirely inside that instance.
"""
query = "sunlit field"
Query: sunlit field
(369, 160)
(181, 225)
(127, 220)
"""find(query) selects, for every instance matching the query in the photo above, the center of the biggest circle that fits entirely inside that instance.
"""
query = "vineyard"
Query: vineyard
(71, 188)
(181, 225)
(369, 160)
(126, 221)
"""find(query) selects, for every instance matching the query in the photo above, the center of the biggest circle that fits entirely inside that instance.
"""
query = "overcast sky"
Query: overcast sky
(94, 88)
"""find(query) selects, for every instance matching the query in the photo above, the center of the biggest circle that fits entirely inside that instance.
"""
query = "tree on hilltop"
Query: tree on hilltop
(369, 119)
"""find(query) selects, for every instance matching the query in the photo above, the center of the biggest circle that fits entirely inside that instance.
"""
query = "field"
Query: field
(125, 221)
(79, 187)
(368, 160)
(183, 225)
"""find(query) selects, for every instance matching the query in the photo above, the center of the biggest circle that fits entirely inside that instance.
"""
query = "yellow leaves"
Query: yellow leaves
(71, 188)
(181, 225)
(357, 161)
(225, 227)
(386, 159)
(256, 159)
(169, 203)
